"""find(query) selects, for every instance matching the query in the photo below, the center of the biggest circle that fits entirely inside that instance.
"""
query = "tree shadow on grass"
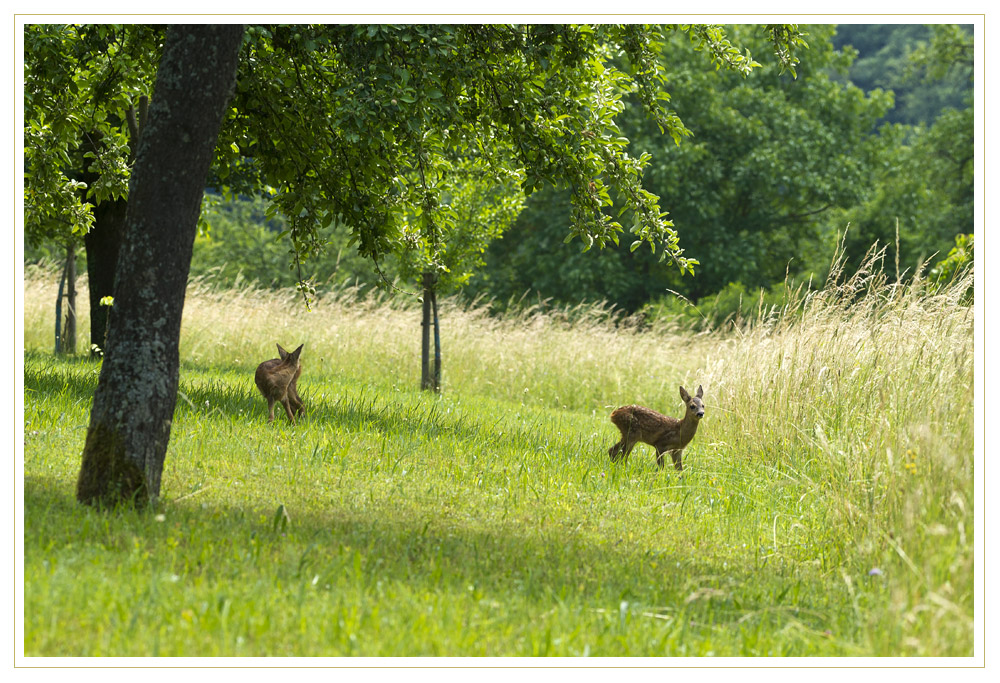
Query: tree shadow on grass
(365, 411)
(529, 567)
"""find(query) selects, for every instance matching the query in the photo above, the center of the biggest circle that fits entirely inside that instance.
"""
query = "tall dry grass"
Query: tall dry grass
(861, 396)
(576, 358)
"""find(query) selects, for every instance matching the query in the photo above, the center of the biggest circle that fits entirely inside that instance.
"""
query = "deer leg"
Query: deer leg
(293, 396)
(615, 451)
(659, 459)
(676, 457)
(270, 411)
(288, 409)
(629, 445)
(621, 449)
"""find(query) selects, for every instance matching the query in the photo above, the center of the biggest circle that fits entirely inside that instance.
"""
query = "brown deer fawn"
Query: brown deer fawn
(277, 378)
(660, 431)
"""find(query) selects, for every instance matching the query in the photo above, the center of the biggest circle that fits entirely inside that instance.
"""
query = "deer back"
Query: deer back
(644, 424)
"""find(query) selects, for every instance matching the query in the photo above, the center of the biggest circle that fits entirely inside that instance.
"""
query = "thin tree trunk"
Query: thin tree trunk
(59, 298)
(437, 343)
(134, 402)
(69, 332)
(430, 371)
(425, 336)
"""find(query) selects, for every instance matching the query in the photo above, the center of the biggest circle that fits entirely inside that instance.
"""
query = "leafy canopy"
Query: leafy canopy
(378, 128)
(81, 84)
(768, 159)
(421, 140)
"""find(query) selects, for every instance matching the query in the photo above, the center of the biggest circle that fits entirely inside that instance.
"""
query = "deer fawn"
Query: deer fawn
(276, 379)
(660, 431)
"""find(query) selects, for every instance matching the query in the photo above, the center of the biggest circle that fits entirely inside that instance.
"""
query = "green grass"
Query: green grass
(489, 520)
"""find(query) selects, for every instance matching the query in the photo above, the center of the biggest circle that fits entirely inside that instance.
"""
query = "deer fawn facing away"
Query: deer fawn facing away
(277, 378)
(660, 431)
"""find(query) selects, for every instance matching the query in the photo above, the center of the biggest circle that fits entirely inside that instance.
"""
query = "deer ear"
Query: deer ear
(294, 355)
(281, 352)
(685, 396)
(700, 392)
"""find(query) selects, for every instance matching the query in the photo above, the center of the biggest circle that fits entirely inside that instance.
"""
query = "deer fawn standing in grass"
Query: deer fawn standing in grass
(660, 431)
(276, 379)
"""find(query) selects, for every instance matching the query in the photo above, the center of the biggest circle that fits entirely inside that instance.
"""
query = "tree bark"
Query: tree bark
(69, 332)
(437, 342)
(134, 402)
(59, 298)
(425, 334)
(430, 371)
(103, 243)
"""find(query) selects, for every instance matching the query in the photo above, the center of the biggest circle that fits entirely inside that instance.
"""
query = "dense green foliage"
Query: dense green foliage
(395, 132)
(894, 57)
(768, 158)
(775, 172)
(489, 520)
(923, 192)
(240, 240)
(82, 84)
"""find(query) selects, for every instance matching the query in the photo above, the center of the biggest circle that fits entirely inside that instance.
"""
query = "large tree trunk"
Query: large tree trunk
(137, 390)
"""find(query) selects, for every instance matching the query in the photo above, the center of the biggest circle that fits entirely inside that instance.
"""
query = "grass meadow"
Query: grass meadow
(826, 508)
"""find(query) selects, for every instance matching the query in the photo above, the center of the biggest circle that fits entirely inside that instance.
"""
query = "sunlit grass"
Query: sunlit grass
(826, 508)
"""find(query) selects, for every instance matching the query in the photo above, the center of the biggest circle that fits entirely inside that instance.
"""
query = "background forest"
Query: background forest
(776, 170)
(872, 137)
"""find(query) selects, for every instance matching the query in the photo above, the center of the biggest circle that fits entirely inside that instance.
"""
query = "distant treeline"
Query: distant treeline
(873, 136)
